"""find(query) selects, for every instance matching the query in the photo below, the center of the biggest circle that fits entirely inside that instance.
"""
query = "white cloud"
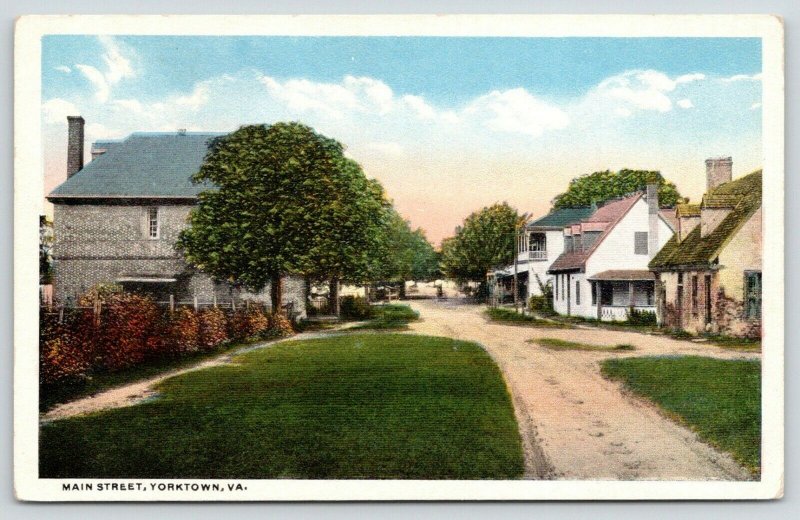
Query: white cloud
(517, 111)
(685, 103)
(197, 98)
(385, 148)
(755, 106)
(642, 89)
(117, 67)
(743, 77)
(56, 110)
(102, 90)
(420, 106)
(131, 105)
(688, 78)
(63, 68)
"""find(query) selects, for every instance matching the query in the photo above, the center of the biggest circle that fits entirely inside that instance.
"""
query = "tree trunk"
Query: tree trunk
(333, 296)
(366, 293)
(402, 292)
(276, 293)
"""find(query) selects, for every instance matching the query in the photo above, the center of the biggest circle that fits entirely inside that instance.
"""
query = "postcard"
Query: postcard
(307, 258)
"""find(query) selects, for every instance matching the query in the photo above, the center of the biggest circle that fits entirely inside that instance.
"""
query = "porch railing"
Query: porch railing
(538, 256)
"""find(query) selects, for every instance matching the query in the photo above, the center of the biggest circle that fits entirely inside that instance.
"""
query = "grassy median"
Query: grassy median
(719, 399)
(356, 406)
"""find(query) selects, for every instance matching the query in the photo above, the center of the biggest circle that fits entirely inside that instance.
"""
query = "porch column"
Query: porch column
(630, 295)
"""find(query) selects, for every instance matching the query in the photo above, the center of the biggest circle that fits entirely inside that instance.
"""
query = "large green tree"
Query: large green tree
(486, 240)
(599, 186)
(285, 200)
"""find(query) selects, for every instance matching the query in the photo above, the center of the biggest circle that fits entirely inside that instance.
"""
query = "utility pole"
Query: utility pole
(516, 258)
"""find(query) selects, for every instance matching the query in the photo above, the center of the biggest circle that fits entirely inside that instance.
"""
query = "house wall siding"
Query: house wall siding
(742, 253)
(101, 243)
(555, 246)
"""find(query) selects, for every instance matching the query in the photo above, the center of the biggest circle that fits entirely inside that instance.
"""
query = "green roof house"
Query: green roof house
(116, 220)
(709, 273)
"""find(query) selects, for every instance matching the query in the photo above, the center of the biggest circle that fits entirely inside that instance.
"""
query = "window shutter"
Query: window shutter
(640, 243)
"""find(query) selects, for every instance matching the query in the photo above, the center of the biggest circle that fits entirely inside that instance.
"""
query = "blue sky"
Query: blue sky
(453, 122)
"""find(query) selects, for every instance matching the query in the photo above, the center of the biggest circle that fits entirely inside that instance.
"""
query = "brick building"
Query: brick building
(117, 219)
(709, 273)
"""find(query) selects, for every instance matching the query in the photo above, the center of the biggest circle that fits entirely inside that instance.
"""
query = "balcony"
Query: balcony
(537, 256)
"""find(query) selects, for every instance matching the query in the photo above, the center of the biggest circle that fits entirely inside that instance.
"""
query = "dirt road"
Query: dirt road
(575, 424)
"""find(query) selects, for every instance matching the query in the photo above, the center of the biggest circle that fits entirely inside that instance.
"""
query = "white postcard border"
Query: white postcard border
(29, 187)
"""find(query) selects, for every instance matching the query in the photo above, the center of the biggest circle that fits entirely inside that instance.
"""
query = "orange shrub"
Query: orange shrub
(279, 326)
(126, 322)
(64, 351)
(247, 322)
(213, 328)
(181, 333)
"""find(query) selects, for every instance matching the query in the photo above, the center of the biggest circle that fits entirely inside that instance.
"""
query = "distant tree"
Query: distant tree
(285, 201)
(45, 247)
(486, 240)
(402, 254)
(600, 186)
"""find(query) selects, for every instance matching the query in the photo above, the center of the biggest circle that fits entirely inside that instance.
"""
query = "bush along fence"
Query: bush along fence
(110, 330)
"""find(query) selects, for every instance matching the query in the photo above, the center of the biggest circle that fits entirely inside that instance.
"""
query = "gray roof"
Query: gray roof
(157, 165)
(560, 218)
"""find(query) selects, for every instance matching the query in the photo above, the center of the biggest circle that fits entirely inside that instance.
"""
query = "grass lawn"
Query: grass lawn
(52, 395)
(560, 344)
(512, 317)
(354, 406)
(719, 399)
(390, 316)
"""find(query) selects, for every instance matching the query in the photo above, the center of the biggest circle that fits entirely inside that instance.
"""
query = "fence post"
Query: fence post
(61, 314)
(195, 303)
(247, 304)
(171, 303)
(215, 300)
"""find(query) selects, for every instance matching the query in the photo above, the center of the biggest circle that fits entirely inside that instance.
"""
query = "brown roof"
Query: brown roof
(668, 214)
(610, 213)
(688, 210)
(624, 275)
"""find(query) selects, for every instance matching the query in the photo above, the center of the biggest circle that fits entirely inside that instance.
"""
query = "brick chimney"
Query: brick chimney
(652, 216)
(74, 144)
(719, 170)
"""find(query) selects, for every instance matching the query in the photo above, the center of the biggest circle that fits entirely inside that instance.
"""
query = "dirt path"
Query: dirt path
(575, 424)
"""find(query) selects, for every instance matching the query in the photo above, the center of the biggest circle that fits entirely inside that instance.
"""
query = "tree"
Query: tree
(402, 254)
(485, 241)
(284, 200)
(601, 186)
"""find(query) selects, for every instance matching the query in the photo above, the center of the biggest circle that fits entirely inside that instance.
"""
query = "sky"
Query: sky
(447, 124)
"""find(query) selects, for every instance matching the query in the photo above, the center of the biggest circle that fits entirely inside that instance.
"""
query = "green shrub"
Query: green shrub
(355, 308)
(637, 317)
(279, 327)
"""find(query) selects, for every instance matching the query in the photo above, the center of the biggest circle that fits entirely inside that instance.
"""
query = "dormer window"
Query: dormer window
(153, 227)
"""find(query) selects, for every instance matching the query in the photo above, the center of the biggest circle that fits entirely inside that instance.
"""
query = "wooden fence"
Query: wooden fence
(172, 304)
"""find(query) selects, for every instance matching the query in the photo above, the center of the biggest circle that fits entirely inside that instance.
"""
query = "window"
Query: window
(606, 294)
(694, 295)
(594, 292)
(707, 280)
(577, 292)
(752, 294)
(152, 223)
(640, 243)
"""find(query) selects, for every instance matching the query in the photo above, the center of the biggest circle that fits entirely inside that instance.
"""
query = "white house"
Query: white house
(539, 243)
(603, 271)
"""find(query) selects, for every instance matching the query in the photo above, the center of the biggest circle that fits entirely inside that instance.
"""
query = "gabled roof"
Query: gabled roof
(742, 195)
(156, 165)
(610, 213)
(562, 217)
